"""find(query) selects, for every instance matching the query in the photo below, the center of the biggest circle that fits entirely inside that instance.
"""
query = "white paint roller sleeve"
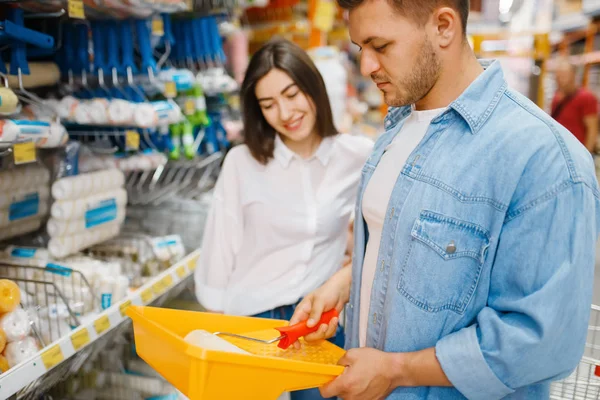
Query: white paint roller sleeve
(207, 340)
(74, 187)
(74, 209)
(6, 199)
(23, 177)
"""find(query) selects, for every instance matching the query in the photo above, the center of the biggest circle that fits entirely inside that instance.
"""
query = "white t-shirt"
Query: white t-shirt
(377, 196)
(278, 231)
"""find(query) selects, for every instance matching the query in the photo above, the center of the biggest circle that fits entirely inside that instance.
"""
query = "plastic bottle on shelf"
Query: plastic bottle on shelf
(10, 296)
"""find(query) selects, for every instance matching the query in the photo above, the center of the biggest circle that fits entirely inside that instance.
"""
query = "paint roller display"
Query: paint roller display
(30, 207)
(10, 296)
(11, 130)
(9, 102)
(6, 199)
(74, 187)
(20, 227)
(109, 213)
(78, 208)
(31, 176)
(66, 245)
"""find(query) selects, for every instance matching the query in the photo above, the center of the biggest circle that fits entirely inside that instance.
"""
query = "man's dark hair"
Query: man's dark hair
(419, 10)
(284, 55)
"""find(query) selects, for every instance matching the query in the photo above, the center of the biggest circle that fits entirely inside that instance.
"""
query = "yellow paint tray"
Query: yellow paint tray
(215, 375)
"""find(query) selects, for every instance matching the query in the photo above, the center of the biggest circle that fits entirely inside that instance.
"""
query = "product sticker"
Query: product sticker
(101, 213)
(27, 207)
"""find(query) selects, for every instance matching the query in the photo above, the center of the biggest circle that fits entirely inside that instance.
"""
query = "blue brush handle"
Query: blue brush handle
(112, 59)
(188, 33)
(196, 40)
(127, 46)
(17, 31)
(143, 36)
(98, 42)
(18, 57)
(205, 31)
(168, 36)
(178, 52)
(217, 42)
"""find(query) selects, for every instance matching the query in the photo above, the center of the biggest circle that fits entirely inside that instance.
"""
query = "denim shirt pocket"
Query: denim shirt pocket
(443, 263)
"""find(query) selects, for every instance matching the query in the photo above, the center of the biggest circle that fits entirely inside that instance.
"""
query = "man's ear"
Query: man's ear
(447, 26)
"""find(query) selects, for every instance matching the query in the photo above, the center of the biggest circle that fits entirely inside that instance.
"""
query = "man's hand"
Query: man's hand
(372, 374)
(333, 294)
(369, 375)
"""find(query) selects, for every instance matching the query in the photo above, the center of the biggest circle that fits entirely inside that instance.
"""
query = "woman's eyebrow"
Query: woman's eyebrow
(282, 92)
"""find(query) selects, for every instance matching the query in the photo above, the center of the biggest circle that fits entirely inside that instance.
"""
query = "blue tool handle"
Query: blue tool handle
(188, 33)
(83, 55)
(178, 53)
(196, 41)
(217, 41)
(127, 46)
(168, 36)
(18, 56)
(35, 38)
(112, 59)
(208, 54)
(98, 33)
(68, 48)
(143, 36)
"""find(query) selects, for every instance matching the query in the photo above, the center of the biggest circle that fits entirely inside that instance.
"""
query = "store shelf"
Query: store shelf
(591, 8)
(583, 59)
(80, 339)
(571, 22)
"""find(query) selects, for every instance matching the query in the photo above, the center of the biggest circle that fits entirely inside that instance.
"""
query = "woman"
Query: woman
(278, 226)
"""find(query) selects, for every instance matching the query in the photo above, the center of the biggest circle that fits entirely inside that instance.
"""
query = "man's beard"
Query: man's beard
(418, 83)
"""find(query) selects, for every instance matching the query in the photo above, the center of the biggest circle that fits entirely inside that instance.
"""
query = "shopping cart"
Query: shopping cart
(584, 382)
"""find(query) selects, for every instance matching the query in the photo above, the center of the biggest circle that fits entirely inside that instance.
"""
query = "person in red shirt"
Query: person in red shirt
(574, 107)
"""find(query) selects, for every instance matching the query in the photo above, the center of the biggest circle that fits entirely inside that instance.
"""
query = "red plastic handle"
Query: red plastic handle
(295, 332)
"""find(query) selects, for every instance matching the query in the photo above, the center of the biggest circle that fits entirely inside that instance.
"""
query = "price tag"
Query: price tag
(324, 15)
(147, 296)
(76, 9)
(158, 288)
(53, 356)
(167, 282)
(132, 140)
(189, 107)
(80, 339)
(102, 324)
(192, 264)
(180, 271)
(170, 90)
(158, 26)
(24, 153)
(123, 307)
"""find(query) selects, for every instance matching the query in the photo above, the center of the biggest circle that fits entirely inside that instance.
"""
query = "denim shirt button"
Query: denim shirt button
(375, 318)
(451, 248)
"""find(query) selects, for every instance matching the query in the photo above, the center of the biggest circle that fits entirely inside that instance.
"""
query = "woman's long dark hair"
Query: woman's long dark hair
(291, 59)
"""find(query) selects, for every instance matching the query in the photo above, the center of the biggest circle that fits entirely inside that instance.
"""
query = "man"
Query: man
(475, 225)
(575, 108)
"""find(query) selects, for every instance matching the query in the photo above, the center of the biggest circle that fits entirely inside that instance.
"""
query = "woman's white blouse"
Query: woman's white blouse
(276, 232)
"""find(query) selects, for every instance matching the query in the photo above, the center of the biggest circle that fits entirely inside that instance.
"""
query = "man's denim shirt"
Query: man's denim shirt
(488, 247)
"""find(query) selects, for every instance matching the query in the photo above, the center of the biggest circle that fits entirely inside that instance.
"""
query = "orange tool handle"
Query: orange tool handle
(294, 332)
